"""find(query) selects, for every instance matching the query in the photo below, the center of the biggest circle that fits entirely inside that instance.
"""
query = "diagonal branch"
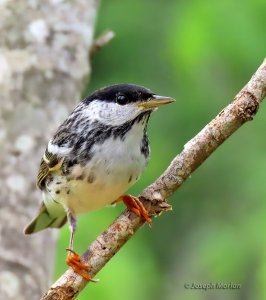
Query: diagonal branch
(101, 41)
(196, 151)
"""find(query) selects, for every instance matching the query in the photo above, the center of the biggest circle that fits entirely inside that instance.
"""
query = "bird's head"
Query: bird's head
(120, 103)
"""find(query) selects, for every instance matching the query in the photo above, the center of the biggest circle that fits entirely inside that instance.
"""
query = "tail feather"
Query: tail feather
(44, 220)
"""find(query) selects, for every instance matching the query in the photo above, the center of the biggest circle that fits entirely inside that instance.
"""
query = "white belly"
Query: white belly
(114, 167)
(80, 196)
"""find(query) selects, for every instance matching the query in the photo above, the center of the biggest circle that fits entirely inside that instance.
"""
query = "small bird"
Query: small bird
(97, 153)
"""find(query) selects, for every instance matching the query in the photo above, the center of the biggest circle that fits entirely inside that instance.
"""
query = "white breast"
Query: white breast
(113, 168)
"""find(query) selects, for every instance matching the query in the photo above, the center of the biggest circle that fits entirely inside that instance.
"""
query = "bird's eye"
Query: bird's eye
(121, 99)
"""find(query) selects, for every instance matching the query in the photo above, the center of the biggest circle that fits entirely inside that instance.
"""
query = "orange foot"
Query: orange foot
(135, 205)
(73, 260)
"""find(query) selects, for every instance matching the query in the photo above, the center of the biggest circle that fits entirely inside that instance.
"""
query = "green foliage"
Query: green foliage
(202, 53)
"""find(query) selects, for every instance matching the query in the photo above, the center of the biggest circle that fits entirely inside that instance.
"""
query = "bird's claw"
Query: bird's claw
(73, 261)
(135, 205)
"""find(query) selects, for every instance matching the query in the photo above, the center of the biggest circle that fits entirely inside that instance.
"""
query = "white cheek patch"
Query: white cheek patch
(55, 149)
(112, 113)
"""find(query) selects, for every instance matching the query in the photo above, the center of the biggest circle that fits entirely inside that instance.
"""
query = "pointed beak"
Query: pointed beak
(156, 101)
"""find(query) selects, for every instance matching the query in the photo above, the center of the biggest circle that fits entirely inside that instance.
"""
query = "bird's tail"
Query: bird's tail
(44, 220)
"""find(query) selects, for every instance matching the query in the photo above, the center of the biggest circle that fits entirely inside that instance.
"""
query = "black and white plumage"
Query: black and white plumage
(98, 152)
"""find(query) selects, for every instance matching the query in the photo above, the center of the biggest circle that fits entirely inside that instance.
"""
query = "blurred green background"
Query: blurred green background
(202, 53)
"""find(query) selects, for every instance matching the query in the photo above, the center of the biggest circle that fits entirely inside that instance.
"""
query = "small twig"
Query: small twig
(241, 110)
(101, 41)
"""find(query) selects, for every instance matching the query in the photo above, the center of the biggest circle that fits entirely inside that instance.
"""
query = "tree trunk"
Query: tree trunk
(44, 48)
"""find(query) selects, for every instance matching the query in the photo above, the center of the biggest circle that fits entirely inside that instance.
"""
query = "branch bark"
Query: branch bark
(44, 48)
(196, 151)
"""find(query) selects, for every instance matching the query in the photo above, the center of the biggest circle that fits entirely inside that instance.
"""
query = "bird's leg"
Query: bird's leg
(73, 259)
(135, 205)
(72, 224)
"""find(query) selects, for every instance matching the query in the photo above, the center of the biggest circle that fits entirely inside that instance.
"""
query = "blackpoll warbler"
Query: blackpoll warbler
(99, 151)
